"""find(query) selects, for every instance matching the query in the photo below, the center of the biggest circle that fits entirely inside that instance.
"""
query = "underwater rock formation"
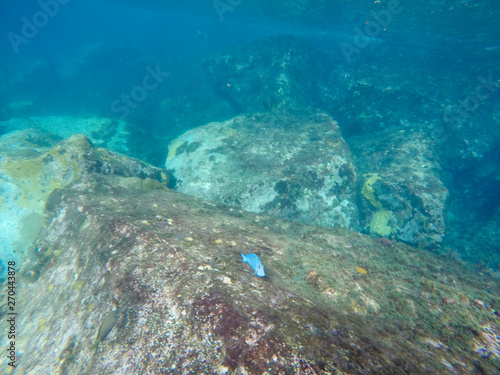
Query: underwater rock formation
(298, 167)
(104, 132)
(277, 73)
(33, 164)
(30, 169)
(295, 166)
(401, 191)
(169, 266)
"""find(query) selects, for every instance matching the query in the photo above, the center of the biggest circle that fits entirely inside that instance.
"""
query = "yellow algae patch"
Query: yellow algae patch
(36, 178)
(361, 270)
(78, 285)
(172, 149)
(42, 324)
(367, 190)
(463, 299)
(9, 370)
(330, 142)
(28, 176)
(379, 223)
(165, 179)
(358, 309)
(218, 241)
(380, 220)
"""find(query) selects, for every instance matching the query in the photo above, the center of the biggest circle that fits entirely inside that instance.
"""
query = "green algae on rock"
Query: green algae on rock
(401, 189)
(29, 178)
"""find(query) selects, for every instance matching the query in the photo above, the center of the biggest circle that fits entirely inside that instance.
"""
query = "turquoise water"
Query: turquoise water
(405, 96)
(439, 63)
(432, 67)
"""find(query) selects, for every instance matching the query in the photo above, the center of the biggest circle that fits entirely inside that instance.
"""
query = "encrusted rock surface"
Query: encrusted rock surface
(401, 191)
(298, 167)
(333, 301)
(34, 163)
(295, 165)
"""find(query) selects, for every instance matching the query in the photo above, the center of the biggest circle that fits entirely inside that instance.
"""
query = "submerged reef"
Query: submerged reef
(108, 133)
(402, 194)
(276, 73)
(374, 170)
(34, 163)
(332, 302)
(295, 165)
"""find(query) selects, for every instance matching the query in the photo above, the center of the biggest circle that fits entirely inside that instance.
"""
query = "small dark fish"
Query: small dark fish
(255, 263)
(106, 326)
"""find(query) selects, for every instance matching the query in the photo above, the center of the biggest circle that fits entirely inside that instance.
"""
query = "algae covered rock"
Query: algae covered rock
(401, 191)
(168, 267)
(297, 166)
(294, 166)
(33, 164)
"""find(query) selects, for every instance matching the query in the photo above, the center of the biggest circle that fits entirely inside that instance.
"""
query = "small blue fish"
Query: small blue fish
(255, 263)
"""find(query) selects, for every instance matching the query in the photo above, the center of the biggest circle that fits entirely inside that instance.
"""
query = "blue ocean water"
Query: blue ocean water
(82, 56)
(414, 87)
(439, 60)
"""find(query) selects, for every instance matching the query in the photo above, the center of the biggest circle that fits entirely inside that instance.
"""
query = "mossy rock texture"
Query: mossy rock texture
(294, 165)
(34, 164)
(402, 193)
(332, 301)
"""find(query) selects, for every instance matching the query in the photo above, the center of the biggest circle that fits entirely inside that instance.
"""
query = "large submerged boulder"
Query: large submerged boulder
(401, 191)
(130, 281)
(295, 166)
(33, 164)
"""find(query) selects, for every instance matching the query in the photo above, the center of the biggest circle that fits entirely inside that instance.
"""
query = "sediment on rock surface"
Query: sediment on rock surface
(294, 165)
(332, 301)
